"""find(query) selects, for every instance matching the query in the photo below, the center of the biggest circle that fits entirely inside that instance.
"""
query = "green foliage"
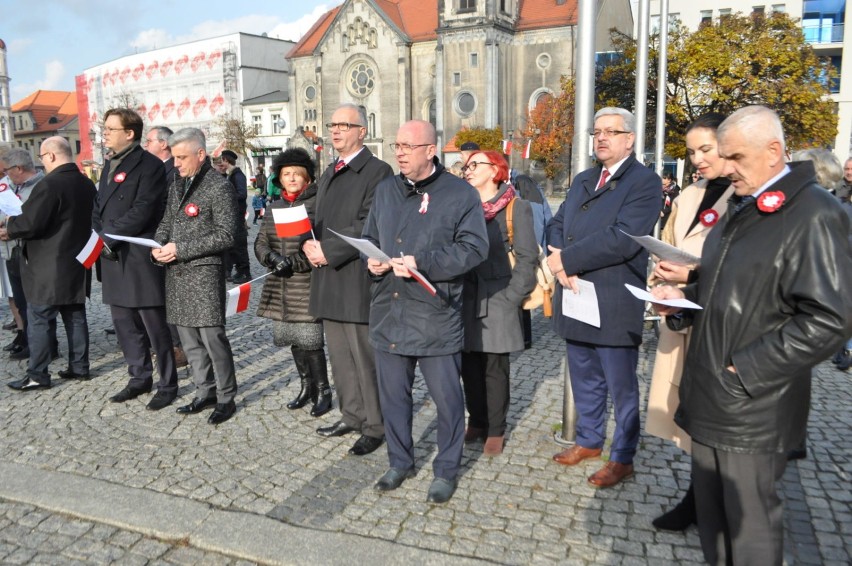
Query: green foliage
(733, 62)
(486, 138)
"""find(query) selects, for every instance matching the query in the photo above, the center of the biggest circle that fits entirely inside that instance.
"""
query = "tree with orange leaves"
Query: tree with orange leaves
(550, 126)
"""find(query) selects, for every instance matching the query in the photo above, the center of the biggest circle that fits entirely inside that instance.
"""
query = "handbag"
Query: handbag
(545, 282)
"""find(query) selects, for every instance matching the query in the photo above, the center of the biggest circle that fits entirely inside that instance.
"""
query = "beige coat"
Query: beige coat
(672, 346)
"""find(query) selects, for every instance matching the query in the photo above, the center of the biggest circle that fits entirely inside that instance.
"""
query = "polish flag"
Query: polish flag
(238, 299)
(507, 147)
(527, 150)
(317, 147)
(291, 221)
(89, 255)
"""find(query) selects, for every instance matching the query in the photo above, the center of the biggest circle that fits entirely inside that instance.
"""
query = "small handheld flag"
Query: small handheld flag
(291, 221)
(90, 252)
(238, 299)
(527, 150)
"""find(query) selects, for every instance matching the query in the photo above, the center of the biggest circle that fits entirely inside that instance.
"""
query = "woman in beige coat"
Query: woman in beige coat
(694, 213)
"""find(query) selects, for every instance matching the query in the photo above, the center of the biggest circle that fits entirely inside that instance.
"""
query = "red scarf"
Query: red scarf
(492, 208)
(292, 198)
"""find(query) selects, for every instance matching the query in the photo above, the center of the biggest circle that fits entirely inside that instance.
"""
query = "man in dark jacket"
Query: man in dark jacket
(340, 285)
(237, 257)
(771, 284)
(197, 228)
(588, 244)
(434, 220)
(130, 202)
(55, 224)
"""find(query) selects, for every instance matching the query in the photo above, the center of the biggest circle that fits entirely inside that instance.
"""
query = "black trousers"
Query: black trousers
(237, 257)
(486, 390)
(138, 330)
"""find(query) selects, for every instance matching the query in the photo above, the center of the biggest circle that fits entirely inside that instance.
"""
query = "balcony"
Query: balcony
(823, 34)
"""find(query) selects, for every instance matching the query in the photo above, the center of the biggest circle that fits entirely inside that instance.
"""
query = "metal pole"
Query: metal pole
(642, 78)
(662, 76)
(584, 88)
(568, 435)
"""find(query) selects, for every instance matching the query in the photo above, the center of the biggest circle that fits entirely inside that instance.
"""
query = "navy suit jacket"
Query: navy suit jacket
(588, 228)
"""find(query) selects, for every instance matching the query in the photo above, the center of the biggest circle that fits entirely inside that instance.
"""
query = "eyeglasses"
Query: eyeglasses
(342, 126)
(606, 133)
(147, 141)
(471, 165)
(406, 148)
(108, 129)
(6, 170)
(41, 155)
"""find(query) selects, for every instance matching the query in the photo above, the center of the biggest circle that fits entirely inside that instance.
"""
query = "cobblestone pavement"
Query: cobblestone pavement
(267, 462)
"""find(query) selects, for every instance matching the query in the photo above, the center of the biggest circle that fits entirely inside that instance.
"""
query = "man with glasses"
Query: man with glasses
(430, 220)
(131, 201)
(340, 285)
(588, 243)
(54, 225)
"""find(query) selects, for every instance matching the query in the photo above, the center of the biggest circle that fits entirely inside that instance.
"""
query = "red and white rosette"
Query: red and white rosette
(191, 209)
(120, 177)
(770, 201)
(709, 217)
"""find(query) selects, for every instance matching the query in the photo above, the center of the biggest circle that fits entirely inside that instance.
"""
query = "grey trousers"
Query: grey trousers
(739, 511)
(208, 352)
(353, 369)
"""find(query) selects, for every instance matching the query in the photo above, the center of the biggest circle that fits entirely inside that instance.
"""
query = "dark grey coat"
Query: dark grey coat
(494, 291)
(195, 282)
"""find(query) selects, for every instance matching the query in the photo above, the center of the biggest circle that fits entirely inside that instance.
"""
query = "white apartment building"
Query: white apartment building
(188, 85)
(823, 23)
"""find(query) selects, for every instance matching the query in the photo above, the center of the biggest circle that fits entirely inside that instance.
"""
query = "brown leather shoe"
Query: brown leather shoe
(180, 358)
(576, 454)
(611, 474)
(493, 446)
(472, 434)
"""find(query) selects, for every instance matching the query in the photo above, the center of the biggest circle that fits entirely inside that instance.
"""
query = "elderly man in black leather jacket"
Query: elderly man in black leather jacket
(771, 287)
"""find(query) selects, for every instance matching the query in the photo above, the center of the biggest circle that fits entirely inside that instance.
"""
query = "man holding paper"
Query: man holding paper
(131, 201)
(771, 283)
(590, 248)
(434, 221)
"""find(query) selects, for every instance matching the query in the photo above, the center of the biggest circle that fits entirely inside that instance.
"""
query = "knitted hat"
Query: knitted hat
(292, 157)
(230, 155)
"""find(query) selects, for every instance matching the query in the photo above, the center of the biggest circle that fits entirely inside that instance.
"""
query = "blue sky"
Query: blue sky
(48, 42)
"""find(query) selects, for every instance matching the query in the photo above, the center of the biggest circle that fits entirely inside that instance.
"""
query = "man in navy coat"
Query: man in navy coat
(587, 242)
(131, 201)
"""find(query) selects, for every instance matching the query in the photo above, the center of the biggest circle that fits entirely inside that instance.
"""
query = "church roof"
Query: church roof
(418, 19)
(50, 109)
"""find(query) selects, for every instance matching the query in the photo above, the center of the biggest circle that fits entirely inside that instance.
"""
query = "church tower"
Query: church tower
(6, 127)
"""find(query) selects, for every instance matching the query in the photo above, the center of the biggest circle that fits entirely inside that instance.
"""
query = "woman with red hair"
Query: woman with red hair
(493, 293)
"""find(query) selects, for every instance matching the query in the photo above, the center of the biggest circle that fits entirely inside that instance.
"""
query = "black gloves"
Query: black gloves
(107, 253)
(278, 264)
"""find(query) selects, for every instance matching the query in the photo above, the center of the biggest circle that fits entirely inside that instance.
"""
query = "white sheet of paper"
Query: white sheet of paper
(141, 241)
(665, 251)
(366, 247)
(644, 295)
(10, 204)
(582, 306)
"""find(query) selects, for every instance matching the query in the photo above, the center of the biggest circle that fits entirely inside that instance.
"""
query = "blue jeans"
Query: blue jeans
(76, 328)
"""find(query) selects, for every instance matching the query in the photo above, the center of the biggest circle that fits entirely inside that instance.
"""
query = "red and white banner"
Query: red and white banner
(507, 147)
(527, 150)
(317, 147)
(90, 252)
(238, 299)
(291, 221)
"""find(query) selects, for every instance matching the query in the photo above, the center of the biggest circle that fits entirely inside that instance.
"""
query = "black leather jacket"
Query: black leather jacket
(771, 284)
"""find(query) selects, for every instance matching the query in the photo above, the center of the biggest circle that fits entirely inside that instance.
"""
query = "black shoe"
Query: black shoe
(69, 374)
(441, 490)
(20, 353)
(393, 478)
(242, 278)
(28, 384)
(129, 393)
(196, 406)
(20, 340)
(160, 400)
(11, 325)
(679, 518)
(222, 412)
(109, 330)
(797, 454)
(365, 445)
(337, 429)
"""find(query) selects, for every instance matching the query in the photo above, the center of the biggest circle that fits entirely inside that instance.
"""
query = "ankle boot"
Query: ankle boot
(319, 373)
(300, 359)
(20, 338)
(681, 517)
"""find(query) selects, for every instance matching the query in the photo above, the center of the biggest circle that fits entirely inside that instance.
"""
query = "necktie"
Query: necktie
(339, 165)
(604, 177)
(746, 200)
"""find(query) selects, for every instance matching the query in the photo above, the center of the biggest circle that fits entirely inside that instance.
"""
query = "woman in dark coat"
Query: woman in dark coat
(286, 292)
(493, 293)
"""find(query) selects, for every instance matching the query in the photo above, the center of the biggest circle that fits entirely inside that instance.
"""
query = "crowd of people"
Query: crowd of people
(731, 381)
